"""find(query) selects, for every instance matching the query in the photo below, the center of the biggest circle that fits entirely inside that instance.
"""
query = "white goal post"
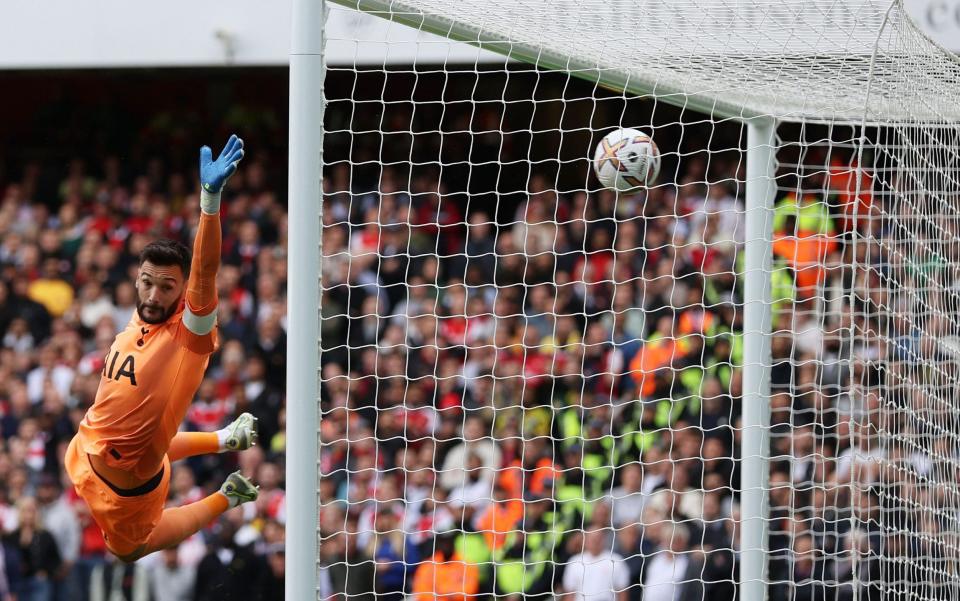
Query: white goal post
(814, 67)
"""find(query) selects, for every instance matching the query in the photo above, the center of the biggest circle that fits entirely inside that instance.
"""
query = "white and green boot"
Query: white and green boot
(238, 489)
(240, 435)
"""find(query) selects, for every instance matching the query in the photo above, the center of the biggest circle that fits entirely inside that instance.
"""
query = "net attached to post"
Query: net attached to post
(531, 386)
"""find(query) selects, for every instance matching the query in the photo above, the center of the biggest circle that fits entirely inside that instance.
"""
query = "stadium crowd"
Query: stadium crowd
(547, 403)
(535, 405)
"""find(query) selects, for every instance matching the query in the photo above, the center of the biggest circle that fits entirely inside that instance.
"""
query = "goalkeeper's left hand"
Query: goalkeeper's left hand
(214, 174)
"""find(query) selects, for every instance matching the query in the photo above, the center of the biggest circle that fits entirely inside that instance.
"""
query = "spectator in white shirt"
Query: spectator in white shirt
(477, 491)
(59, 375)
(672, 573)
(627, 499)
(475, 442)
(170, 579)
(597, 574)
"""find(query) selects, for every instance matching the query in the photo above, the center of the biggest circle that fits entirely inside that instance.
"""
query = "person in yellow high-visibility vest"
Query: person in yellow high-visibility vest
(811, 213)
(805, 251)
(525, 565)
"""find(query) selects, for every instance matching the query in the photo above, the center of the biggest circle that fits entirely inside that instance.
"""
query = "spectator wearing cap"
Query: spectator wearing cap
(34, 314)
(481, 246)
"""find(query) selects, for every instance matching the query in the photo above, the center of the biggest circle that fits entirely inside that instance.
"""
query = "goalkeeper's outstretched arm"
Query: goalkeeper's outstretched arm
(201, 311)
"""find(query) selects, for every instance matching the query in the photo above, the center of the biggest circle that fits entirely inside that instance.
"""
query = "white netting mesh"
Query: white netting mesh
(531, 386)
(793, 59)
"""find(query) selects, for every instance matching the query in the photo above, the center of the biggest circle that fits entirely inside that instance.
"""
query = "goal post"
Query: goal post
(305, 210)
(757, 321)
(493, 319)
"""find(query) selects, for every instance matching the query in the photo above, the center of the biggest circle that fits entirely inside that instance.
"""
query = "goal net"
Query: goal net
(534, 388)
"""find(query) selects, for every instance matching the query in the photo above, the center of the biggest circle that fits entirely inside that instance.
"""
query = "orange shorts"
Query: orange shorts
(126, 522)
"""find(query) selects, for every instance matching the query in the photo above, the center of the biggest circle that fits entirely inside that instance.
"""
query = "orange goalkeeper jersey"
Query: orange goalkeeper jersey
(153, 371)
(151, 375)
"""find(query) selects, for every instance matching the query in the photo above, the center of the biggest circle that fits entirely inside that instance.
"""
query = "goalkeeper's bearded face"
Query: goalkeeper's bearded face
(160, 289)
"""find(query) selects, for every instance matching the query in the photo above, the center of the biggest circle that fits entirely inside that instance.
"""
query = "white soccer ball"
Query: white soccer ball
(626, 160)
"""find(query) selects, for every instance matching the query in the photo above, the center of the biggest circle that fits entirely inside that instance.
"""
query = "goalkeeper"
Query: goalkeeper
(119, 461)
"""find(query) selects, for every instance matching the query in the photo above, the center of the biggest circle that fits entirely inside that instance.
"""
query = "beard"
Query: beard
(154, 314)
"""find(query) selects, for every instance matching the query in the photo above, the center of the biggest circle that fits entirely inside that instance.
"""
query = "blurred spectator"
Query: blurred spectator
(33, 552)
(672, 571)
(59, 519)
(628, 499)
(114, 579)
(171, 580)
(50, 289)
(93, 548)
(124, 302)
(525, 564)
(445, 575)
(228, 570)
(498, 518)
(597, 574)
(351, 571)
(478, 443)
(273, 582)
(6, 593)
(394, 556)
(95, 306)
(49, 370)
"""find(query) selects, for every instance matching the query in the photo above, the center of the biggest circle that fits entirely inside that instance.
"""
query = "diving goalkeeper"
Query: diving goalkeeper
(119, 461)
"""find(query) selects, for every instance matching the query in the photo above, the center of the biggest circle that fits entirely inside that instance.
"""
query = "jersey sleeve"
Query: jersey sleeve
(201, 344)
(200, 313)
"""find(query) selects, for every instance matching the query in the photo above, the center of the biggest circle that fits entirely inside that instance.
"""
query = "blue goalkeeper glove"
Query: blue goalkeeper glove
(214, 174)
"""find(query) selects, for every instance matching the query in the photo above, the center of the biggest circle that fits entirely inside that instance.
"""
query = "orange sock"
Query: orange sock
(179, 523)
(188, 444)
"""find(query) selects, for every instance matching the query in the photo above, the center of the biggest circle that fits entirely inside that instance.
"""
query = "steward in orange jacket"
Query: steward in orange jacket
(446, 576)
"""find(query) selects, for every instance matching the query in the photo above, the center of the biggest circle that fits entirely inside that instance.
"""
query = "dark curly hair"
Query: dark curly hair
(167, 252)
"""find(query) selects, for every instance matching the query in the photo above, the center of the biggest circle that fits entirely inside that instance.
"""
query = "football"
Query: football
(626, 160)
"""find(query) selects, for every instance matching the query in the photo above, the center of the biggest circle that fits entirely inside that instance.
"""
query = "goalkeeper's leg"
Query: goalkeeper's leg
(241, 434)
(179, 523)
